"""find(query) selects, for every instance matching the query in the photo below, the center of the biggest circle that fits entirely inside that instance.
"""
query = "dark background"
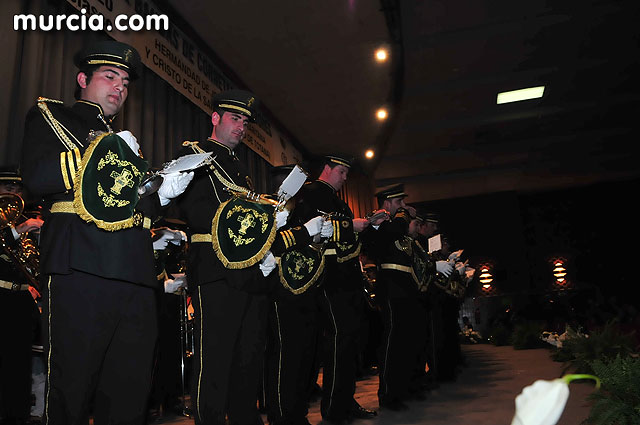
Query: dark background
(593, 228)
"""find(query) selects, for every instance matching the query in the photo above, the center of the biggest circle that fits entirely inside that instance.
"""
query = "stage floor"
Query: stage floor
(484, 393)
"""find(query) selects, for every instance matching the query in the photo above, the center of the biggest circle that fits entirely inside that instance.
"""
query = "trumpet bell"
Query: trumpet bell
(11, 207)
(150, 185)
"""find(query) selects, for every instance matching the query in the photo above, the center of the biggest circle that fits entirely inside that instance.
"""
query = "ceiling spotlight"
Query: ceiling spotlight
(369, 154)
(522, 94)
(381, 55)
(381, 114)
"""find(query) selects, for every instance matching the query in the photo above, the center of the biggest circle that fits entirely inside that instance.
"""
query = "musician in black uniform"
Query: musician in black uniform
(17, 312)
(230, 304)
(99, 306)
(448, 351)
(293, 324)
(399, 294)
(341, 296)
(423, 379)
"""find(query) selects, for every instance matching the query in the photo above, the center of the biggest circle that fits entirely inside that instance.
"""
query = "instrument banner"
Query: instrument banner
(345, 251)
(106, 186)
(421, 266)
(300, 268)
(242, 232)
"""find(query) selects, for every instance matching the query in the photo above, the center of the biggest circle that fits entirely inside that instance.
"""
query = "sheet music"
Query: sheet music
(435, 243)
(292, 183)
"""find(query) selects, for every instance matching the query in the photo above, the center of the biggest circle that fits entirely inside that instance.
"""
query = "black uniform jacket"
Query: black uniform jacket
(198, 206)
(67, 242)
(319, 197)
(387, 251)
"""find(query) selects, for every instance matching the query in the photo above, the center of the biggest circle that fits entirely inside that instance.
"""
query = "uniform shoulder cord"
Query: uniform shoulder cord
(59, 130)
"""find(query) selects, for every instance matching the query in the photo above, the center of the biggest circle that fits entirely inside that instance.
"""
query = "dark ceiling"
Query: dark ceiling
(312, 64)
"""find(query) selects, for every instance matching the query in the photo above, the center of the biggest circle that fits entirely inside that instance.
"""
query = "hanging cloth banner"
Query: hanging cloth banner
(106, 188)
(242, 232)
(300, 267)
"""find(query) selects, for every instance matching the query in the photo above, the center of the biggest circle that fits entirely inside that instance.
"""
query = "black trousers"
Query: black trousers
(167, 386)
(403, 317)
(99, 341)
(290, 363)
(230, 333)
(17, 310)
(343, 317)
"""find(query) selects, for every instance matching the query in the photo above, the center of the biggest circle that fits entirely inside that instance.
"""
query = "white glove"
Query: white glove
(444, 267)
(281, 218)
(267, 264)
(162, 242)
(172, 285)
(314, 226)
(130, 140)
(455, 256)
(176, 237)
(173, 185)
(327, 229)
(460, 268)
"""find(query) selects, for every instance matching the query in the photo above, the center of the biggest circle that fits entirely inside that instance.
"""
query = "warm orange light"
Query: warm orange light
(486, 286)
(381, 55)
(381, 114)
(369, 154)
(560, 272)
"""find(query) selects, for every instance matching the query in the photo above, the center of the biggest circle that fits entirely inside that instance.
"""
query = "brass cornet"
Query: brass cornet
(25, 255)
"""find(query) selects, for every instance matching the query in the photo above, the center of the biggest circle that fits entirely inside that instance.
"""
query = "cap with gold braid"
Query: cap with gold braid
(396, 191)
(239, 101)
(111, 53)
(9, 175)
(338, 159)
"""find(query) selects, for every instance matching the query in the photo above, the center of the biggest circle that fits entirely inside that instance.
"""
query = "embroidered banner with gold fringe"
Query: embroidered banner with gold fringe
(345, 251)
(242, 232)
(421, 266)
(106, 187)
(300, 267)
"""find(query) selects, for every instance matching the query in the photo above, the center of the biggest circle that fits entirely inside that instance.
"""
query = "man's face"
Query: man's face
(335, 176)
(11, 187)
(414, 227)
(393, 204)
(428, 229)
(108, 87)
(229, 129)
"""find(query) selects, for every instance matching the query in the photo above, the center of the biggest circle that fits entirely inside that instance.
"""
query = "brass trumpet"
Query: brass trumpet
(25, 256)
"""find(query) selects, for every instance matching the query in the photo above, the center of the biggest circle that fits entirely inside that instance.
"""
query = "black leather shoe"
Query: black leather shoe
(359, 412)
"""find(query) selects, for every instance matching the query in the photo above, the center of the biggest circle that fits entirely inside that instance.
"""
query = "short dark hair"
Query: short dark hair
(88, 70)
(219, 111)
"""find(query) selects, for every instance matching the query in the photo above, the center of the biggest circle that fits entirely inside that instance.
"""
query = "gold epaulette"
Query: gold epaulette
(70, 159)
(58, 128)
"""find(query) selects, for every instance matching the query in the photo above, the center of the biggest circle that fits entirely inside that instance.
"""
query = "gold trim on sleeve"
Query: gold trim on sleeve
(71, 165)
(63, 170)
